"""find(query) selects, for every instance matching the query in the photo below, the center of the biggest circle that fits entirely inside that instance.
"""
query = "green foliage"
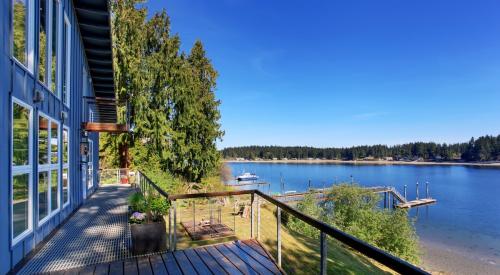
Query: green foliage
(307, 206)
(485, 148)
(153, 206)
(137, 202)
(355, 210)
(158, 207)
(170, 94)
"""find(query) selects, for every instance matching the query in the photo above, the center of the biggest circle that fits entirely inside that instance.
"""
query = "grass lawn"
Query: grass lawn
(300, 254)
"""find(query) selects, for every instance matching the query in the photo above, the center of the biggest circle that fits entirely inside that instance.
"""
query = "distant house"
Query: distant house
(389, 158)
(55, 57)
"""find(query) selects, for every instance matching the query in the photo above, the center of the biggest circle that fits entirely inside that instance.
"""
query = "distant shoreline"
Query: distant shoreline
(370, 162)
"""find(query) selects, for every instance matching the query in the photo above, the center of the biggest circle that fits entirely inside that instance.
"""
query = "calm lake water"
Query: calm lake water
(466, 218)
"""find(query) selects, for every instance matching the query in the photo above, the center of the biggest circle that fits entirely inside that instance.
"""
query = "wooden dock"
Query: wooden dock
(399, 201)
(248, 183)
(416, 203)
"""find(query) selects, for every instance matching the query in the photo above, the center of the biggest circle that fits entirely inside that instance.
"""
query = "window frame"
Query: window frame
(67, 69)
(30, 45)
(21, 170)
(65, 165)
(49, 168)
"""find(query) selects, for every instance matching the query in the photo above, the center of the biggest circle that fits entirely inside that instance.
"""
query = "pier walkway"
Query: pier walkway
(388, 191)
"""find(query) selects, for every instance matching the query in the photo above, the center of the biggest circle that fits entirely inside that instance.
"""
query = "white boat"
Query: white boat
(247, 177)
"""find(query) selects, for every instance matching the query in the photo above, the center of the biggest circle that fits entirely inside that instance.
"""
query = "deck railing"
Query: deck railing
(257, 198)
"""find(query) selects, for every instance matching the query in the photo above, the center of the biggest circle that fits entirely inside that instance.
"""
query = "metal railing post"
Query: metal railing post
(170, 229)
(258, 218)
(324, 253)
(251, 215)
(278, 229)
(174, 204)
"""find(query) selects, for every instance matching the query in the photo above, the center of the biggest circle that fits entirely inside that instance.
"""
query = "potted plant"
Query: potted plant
(147, 224)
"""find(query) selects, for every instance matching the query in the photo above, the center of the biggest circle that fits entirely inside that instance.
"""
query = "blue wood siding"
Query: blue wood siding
(15, 81)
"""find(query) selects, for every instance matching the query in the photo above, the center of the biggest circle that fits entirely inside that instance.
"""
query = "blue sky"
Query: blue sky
(342, 73)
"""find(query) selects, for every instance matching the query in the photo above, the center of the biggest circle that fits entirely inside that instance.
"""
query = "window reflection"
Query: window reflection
(20, 135)
(20, 31)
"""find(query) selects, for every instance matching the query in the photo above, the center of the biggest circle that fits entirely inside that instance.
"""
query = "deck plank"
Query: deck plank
(184, 263)
(101, 269)
(235, 260)
(116, 268)
(222, 260)
(262, 269)
(157, 265)
(144, 266)
(130, 266)
(214, 267)
(237, 257)
(197, 262)
(171, 264)
(256, 246)
(268, 263)
(88, 270)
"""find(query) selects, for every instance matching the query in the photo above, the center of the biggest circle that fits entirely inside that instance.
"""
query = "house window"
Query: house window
(43, 36)
(65, 174)
(47, 36)
(23, 32)
(21, 170)
(48, 167)
(66, 60)
(53, 52)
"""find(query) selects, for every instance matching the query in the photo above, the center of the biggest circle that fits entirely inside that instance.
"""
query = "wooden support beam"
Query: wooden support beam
(105, 127)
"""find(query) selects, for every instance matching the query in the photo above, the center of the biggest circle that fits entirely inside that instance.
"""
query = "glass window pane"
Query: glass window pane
(64, 60)
(42, 65)
(65, 146)
(55, 20)
(20, 203)
(65, 181)
(54, 142)
(20, 25)
(54, 179)
(20, 135)
(43, 195)
(43, 140)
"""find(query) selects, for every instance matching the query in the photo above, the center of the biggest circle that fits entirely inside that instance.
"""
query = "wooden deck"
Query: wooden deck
(238, 257)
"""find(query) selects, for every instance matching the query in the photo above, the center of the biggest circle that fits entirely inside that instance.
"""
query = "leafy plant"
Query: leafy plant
(137, 202)
(147, 209)
(158, 207)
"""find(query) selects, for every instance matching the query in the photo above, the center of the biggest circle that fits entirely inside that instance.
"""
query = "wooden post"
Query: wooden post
(258, 218)
(417, 190)
(175, 225)
(324, 253)
(278, 229)
(251, 215)
(194, 216)
(385, 199)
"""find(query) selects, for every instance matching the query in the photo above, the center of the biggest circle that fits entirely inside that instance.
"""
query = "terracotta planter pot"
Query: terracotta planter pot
(149, 237)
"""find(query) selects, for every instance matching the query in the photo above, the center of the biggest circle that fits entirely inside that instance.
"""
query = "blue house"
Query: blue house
(55, 72)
